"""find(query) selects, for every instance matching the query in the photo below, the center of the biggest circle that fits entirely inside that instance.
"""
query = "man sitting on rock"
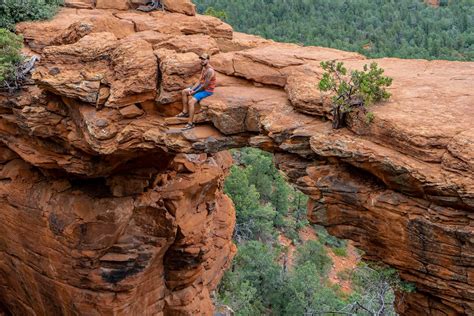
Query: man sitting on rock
(202, 89)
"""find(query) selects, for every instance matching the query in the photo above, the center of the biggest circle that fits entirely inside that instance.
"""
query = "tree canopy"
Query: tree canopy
(264, 279)
(14, 11)
(375, 28)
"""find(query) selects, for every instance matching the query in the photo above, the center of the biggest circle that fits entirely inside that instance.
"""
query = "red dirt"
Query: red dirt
(343, 263)
(340, 264)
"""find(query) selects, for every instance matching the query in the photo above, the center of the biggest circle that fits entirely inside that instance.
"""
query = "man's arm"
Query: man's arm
(195, 86)
(193, 89)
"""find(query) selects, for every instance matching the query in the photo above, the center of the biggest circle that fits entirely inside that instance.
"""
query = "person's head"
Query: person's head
(204, 58)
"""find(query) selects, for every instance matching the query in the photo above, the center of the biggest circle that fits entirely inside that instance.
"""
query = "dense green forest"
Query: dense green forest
(14, 11)
(375, 28)
(262, 281)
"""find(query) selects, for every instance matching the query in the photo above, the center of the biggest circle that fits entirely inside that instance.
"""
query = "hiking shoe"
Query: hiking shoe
(188, 126)
(182, 114)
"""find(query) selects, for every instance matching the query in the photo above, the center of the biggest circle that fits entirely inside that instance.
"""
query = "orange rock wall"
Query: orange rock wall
(426, 243)
(143, 242)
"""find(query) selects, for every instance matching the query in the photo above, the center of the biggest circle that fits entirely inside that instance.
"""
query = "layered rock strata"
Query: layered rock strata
(109, 207)
(153, 238)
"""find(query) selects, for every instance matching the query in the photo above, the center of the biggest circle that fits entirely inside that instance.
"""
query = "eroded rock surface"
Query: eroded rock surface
(152, 238)
(109, 207)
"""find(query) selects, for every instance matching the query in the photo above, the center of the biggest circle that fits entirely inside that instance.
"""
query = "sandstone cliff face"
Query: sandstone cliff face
(148, 240)
(109, 207)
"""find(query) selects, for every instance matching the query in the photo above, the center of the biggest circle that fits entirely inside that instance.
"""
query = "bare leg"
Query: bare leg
(185, 95)
(192, 103)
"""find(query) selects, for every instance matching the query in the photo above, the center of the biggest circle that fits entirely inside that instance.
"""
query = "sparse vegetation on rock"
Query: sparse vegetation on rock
(14, 66)
(10, 56)
(357, 89)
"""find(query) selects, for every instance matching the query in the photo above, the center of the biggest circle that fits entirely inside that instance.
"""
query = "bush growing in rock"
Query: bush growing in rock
(10, 55)
(359, 89)
(14, 11)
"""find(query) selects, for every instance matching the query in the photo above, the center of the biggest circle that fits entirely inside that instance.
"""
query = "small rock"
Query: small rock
(101, 123)
(54, 71)
(131, 111)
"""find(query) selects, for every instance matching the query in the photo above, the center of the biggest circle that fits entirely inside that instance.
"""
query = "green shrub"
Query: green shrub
(305, 292)
(14, 11)
(354, 90)
(345, 274)
(374, 287)
(329, 240)
(314, 252)
(220, 14)
(253, 280)
(369, 117)
(10, 55)
(290, 230)
(340, 252)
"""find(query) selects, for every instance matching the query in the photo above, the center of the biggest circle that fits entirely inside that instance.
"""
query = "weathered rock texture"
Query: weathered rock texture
(107, 208)
(178, 6)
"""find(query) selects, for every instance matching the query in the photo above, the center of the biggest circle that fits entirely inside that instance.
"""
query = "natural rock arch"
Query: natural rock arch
(110, 208)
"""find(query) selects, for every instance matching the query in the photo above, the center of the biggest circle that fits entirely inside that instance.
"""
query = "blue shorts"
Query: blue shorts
(202, 94)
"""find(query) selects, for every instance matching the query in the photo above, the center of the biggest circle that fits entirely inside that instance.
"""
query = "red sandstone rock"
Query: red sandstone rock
(304, 94)
(137, 244)
(241, 41)
(198, 44)
(180, 6)
(79, 4)
(151, 37)
(112, 4)
(135, 72)
(40, 34)
(100, 197)
(131, 111)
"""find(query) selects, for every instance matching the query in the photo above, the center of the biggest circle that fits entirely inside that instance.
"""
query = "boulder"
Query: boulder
(180, 6)
(151, 37)
(79, 4)
(113, 4)
(135, 74)
(216, 27)
(197, 44)
(131, 111)
(178, 71)
(305, 96)
(241, 41)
